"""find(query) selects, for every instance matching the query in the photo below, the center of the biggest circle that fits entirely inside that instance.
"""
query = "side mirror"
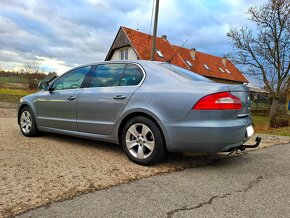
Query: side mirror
(43, 85)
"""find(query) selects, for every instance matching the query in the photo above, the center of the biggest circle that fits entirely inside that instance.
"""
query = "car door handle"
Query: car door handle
(120, 97)
(71, 98)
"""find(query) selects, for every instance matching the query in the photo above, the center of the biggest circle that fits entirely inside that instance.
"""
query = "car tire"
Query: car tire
(143, 141)
(27, 123)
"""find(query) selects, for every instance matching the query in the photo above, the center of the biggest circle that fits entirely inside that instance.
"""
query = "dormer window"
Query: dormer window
(206, 67)
(160, 54)
(189, 63)
(221, 70)
(124, 54)
(228, 71)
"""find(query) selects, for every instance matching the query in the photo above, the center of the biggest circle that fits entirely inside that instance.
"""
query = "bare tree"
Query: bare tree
(31, 67)
(2, 67)
(265, 50)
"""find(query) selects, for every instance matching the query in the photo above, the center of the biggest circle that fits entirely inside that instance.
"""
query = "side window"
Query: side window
(107, 75)
(71, 80)
(132, 76)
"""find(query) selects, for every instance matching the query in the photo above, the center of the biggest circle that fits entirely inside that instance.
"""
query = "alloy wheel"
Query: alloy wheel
(140, 141)
(26, 122)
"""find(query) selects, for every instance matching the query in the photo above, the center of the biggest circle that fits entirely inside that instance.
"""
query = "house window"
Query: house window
(206, 67)
(228, 71)
(222, 70)
(124, 54)
(189, 63)
(160, 54)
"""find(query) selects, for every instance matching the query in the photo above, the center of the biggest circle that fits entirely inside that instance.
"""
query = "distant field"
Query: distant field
(15, 92)
(13, 95)
(18, 82)
(4, 79)
(14, 79)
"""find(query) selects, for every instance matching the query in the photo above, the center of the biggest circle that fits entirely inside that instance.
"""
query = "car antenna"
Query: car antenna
(169, 61)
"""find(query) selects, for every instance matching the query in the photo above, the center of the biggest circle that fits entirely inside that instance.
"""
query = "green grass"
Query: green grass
(13, 95)
(15, 92)
(261, 125)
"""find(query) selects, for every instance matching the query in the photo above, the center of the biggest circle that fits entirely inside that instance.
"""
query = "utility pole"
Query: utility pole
(155, 29)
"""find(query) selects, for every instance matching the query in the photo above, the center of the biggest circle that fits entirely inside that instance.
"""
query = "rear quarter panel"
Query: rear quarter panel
(171, 101)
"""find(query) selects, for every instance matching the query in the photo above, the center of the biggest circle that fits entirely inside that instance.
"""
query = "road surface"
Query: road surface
(252, 185)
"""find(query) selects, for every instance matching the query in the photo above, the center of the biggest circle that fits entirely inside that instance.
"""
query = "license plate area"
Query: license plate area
(250, 131)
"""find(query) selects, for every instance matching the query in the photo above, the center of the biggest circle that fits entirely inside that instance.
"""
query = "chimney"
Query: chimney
(192, 53)
(164, 37)
(224, 61)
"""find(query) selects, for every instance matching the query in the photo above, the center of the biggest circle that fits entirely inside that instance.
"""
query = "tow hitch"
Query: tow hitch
(243, 147)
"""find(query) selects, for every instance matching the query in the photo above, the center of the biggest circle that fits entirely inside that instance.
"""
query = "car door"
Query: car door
(100, 104)
(56, 108)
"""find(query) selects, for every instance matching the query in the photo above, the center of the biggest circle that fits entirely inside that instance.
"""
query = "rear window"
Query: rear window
(132, 76)
(107, 75)
(185, 73)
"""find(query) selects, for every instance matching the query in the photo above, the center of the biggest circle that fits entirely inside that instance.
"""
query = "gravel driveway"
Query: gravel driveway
(38, 171)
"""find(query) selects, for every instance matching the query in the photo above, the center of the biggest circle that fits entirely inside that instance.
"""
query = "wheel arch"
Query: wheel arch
(129, 116)
(23, 105)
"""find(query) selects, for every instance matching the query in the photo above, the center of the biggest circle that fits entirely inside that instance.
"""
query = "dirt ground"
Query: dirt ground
(38, 171)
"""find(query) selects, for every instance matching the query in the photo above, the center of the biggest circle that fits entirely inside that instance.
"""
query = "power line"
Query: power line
(169, 61)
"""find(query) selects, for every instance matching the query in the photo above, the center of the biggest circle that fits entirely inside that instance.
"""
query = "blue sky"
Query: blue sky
(60, 34)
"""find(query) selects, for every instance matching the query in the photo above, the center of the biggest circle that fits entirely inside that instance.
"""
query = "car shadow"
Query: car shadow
(186, 160)
(79, 141)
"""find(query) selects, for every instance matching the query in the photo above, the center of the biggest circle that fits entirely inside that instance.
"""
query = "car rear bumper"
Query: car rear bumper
(206, 136)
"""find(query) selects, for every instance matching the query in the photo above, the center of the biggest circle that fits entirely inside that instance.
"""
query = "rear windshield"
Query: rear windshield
(185, 73)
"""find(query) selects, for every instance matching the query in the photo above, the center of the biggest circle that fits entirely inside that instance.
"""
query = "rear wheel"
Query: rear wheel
(27, 123)
(142, 141)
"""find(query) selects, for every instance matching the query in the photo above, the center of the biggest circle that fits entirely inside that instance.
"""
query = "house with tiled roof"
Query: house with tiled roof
(131, 44)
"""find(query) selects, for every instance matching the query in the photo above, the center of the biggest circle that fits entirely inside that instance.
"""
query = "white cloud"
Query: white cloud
(68, 33)
(51, 64)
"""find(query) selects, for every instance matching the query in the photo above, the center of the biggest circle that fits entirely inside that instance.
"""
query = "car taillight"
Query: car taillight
(219, 101)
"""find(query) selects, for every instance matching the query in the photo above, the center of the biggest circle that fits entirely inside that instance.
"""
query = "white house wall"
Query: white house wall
(131, 54)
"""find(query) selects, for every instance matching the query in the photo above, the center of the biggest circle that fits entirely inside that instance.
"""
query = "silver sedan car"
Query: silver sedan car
(147, 107)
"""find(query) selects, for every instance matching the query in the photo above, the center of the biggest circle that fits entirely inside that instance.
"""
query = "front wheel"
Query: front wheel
(143, 141)
(27, 123)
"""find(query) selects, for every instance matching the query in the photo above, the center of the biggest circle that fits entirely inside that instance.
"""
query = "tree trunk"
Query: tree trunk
(278, 117)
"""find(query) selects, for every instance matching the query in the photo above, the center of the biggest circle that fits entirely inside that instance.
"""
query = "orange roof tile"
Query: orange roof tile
(142, 44)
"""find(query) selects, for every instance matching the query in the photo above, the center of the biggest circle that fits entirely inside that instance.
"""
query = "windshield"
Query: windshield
(185, 73)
